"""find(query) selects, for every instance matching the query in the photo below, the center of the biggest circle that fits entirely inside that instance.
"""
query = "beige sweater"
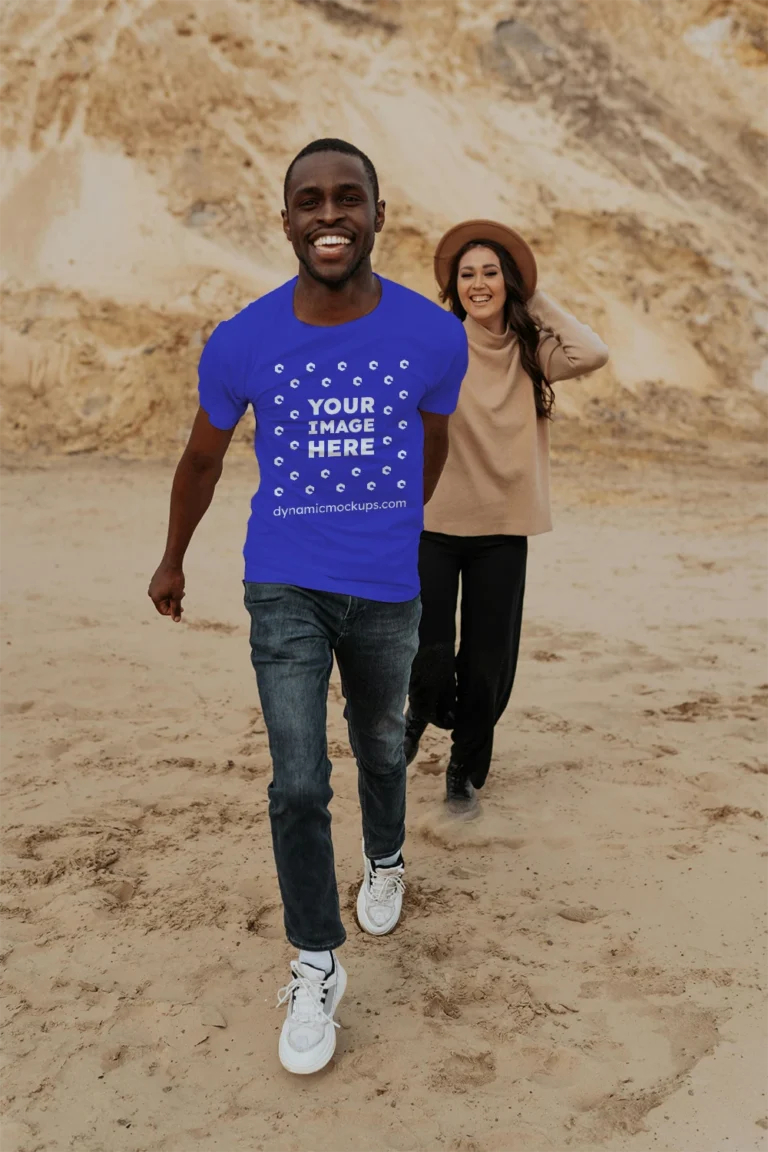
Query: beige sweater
(496, 479)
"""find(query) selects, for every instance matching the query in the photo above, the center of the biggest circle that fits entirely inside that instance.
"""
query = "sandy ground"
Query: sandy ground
(582, 967)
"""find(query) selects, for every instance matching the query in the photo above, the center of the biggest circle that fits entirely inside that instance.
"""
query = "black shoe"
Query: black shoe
(460, 794)
(414, 730)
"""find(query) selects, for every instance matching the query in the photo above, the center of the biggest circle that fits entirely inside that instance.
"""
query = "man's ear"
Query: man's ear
(381, 210)
(286, 225)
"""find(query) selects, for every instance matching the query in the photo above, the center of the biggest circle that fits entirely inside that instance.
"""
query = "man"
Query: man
(352, 379)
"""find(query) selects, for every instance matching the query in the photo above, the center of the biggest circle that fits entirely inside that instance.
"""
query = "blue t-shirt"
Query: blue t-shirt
(339, 438)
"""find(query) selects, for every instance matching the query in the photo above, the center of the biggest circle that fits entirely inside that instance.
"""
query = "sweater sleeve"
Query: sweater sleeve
(567, 347)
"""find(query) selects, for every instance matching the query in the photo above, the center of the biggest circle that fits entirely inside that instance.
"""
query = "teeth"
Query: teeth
(330, 241)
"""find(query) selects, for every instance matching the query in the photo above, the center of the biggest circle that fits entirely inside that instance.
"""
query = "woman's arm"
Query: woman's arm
(567, 347)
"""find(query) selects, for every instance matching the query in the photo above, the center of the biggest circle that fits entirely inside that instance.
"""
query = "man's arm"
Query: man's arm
(435, 450)
(196, 478)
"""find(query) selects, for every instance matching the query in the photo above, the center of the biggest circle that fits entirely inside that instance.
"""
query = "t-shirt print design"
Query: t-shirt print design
(341, 430)
(339, 435)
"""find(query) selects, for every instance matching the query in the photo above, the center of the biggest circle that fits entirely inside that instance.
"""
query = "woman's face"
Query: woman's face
(481, 287)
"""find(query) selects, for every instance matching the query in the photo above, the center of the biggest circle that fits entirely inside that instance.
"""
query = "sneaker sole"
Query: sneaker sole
(321, 1055)
(366, 924)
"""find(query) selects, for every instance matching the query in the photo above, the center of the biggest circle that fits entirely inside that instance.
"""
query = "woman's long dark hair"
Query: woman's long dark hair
(517, 317)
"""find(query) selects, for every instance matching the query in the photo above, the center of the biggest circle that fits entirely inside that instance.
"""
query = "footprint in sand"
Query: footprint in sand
(462, 1071)
(11, 709)
(581, 915)
(436, 1003)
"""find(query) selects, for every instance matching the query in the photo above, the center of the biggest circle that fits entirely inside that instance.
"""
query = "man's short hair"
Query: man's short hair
(330, 144)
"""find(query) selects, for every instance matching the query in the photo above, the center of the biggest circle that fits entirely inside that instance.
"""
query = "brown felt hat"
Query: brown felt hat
(456, 237)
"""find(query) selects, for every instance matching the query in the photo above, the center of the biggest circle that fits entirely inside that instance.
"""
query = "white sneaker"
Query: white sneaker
(308, 1038)
(380, 899)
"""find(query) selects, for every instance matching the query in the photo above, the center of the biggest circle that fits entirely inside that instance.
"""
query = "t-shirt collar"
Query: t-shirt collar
(347, 325)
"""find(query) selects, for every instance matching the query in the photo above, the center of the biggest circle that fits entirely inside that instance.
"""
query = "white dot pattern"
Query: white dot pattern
(349, 421)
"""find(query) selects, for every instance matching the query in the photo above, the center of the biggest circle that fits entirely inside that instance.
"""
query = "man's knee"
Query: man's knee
(379, 745)
(296, 792)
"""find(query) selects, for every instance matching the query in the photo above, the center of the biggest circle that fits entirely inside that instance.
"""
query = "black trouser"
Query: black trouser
(468, 692)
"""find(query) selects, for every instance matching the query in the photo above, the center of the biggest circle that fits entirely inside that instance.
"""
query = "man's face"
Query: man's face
(331, 218)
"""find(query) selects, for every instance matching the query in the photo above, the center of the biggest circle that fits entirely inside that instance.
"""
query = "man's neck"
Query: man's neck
(317, 303)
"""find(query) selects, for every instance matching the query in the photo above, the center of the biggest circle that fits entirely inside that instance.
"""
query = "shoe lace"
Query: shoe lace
(387, 883)
(307, 998)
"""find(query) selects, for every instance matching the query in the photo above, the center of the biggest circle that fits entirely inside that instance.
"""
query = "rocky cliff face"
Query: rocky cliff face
(146, 145)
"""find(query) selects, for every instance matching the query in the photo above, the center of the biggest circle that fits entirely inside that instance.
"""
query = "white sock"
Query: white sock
(387, 861)
(321, 960)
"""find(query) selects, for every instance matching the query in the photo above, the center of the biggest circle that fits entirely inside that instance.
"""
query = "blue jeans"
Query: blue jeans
(295, 634)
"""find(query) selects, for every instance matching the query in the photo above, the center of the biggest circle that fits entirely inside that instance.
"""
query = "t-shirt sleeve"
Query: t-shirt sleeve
(220, 380)
(443, 397)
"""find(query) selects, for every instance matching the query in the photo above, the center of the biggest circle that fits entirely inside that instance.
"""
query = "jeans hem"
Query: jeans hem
(384, 854)
(317, 947)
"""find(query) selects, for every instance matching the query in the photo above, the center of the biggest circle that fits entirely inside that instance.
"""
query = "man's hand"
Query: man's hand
(166, 591)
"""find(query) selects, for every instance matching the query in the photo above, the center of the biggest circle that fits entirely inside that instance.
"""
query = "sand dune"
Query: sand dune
(140, 206)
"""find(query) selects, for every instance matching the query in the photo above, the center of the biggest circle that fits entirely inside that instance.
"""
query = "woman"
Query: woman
(493, 495)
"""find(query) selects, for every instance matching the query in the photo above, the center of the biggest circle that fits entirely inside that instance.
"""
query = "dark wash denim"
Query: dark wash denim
(295, 633)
